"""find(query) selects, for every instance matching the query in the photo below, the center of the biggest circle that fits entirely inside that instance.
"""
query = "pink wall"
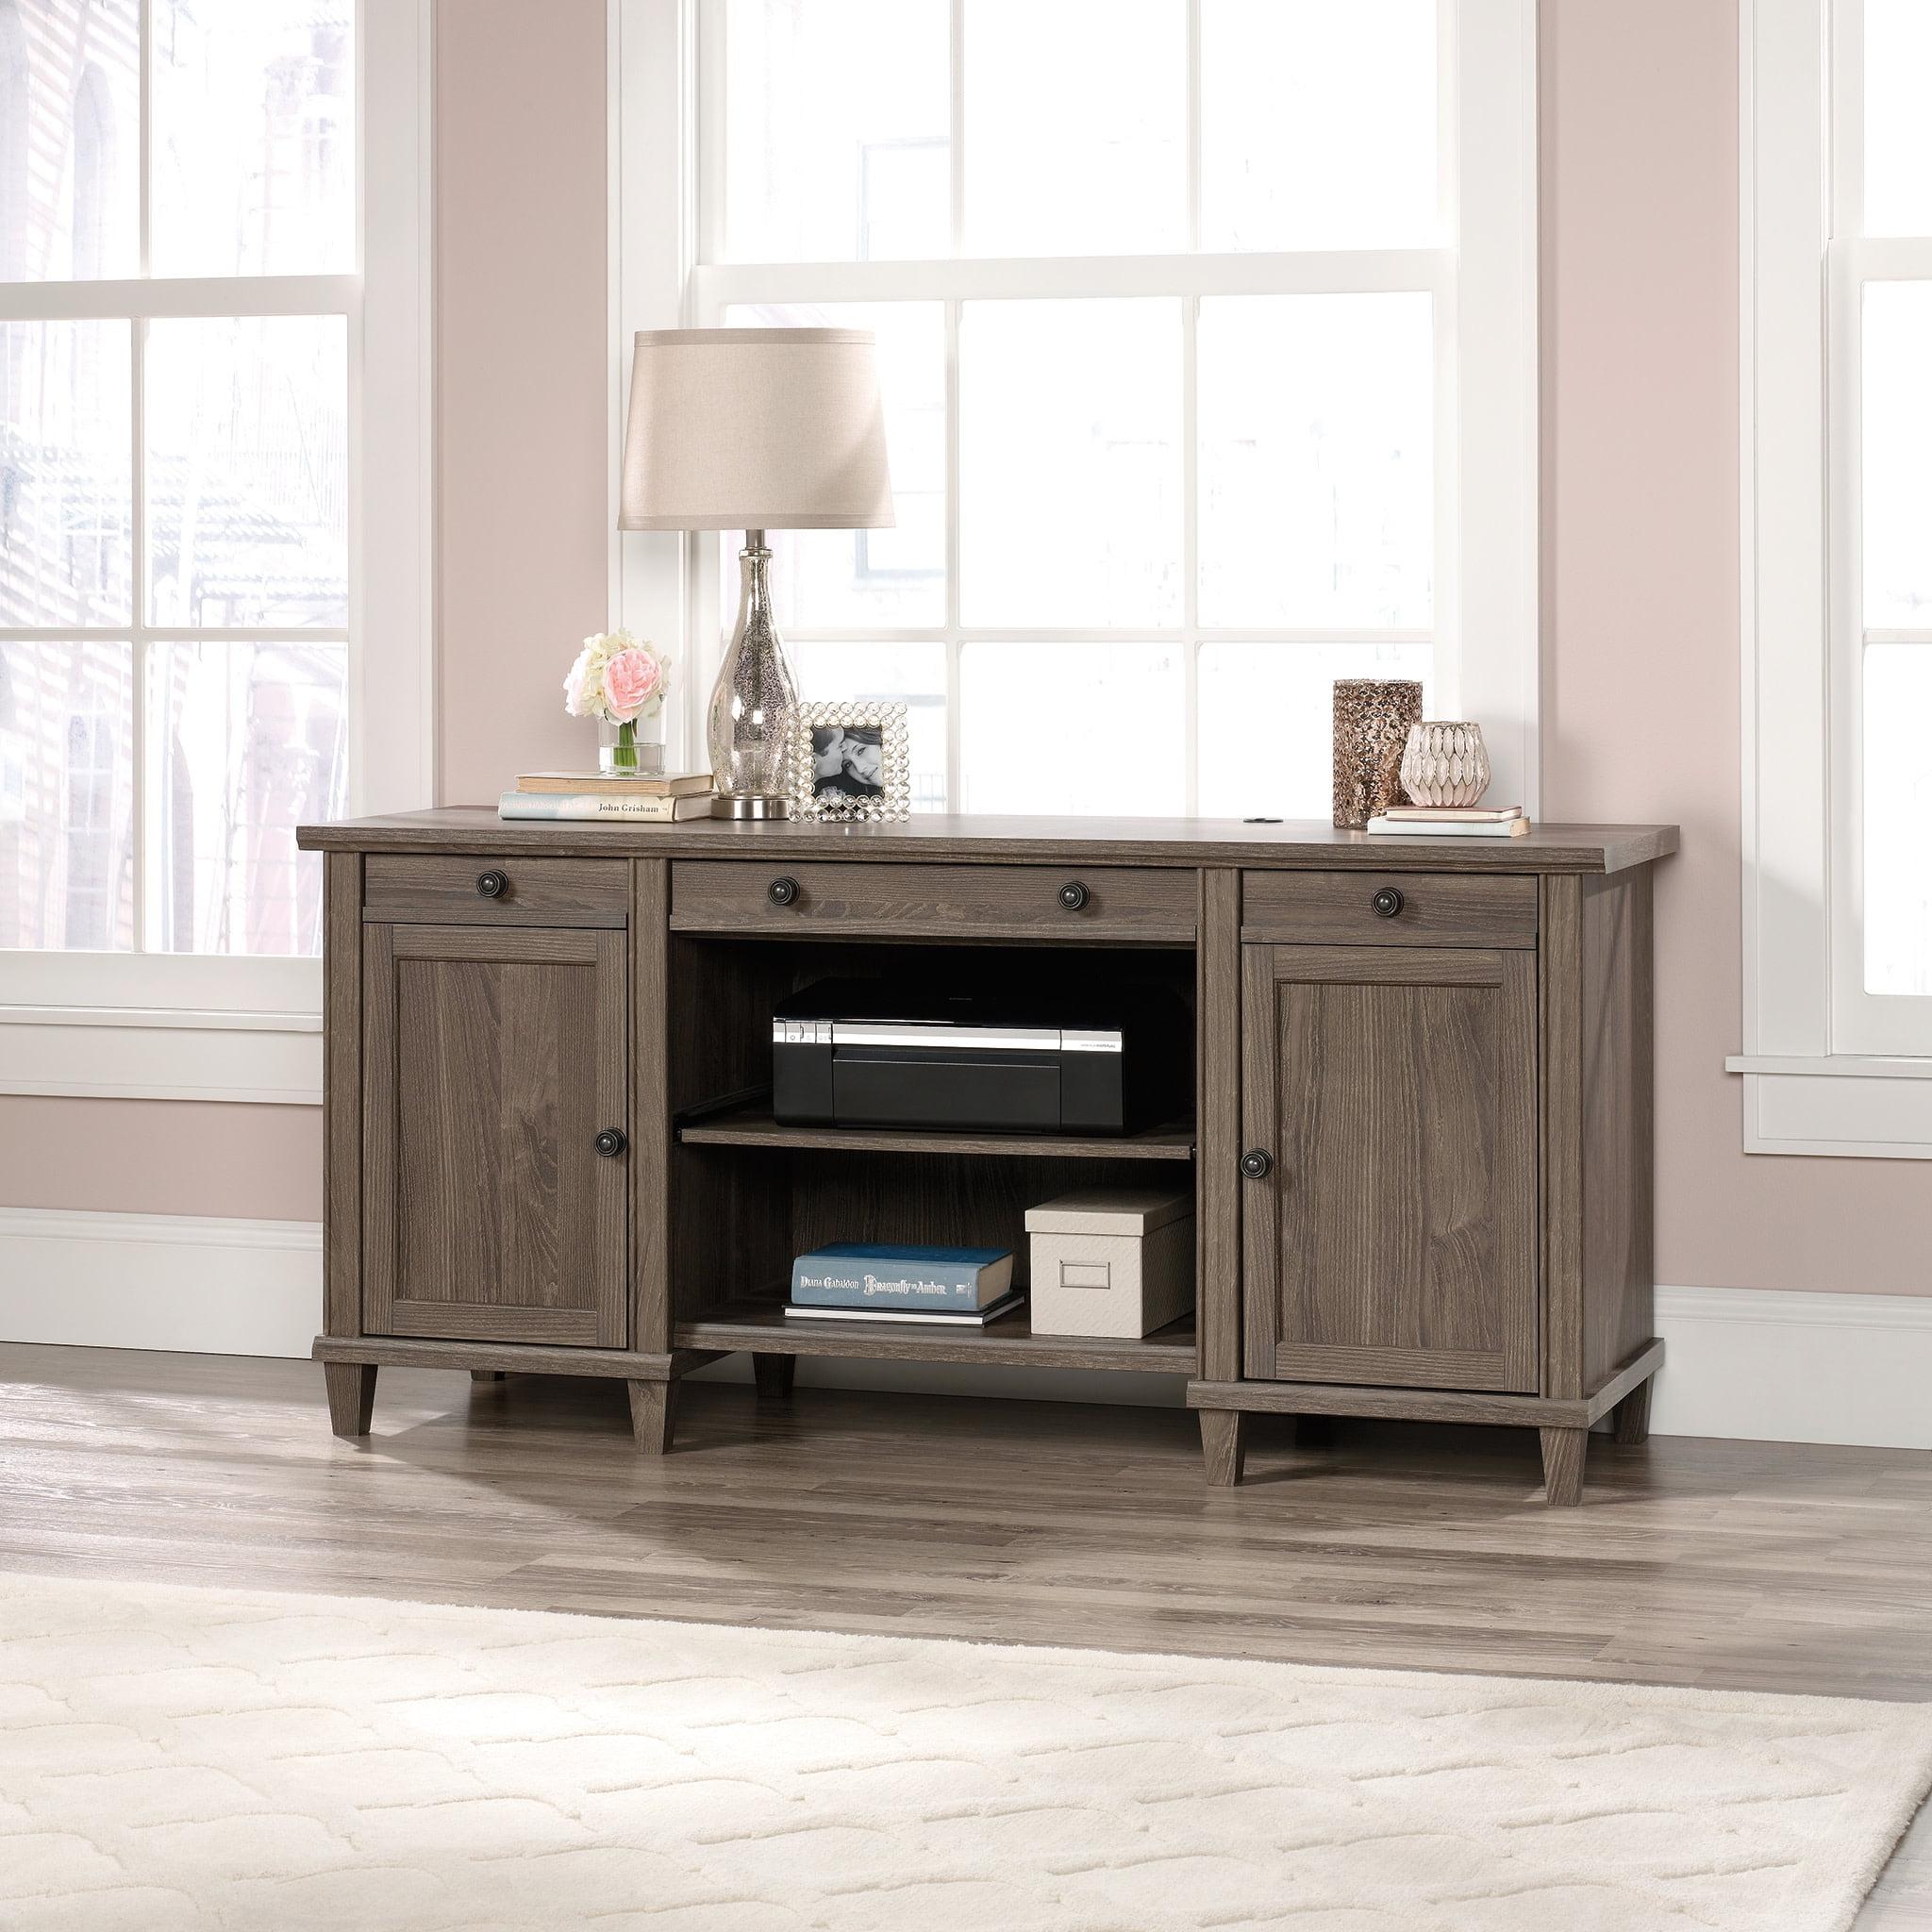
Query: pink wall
(523, 401)
(1640, 693)
(1640, 598)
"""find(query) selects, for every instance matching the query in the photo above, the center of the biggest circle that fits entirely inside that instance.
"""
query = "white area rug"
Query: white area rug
(176, 1757)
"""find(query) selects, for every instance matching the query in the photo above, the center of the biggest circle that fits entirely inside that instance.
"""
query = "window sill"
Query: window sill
(151, 1053)
(1856, 1105)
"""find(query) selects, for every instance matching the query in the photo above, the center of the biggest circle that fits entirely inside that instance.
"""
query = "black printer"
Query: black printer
(881, 1053)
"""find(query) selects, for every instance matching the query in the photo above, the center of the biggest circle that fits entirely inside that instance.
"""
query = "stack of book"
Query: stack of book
(650, 798)
(1450, 821)
(882, 1281)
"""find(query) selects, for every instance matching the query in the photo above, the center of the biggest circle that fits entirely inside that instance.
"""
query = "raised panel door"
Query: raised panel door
(1393, 1239)
(493, 1059)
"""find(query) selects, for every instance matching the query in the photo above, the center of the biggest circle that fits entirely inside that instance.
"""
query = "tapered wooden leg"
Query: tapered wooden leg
(652, 1406)
(1314, 1431)
(351, 1396)
(489, 1375)
(1630, 1418)
(1223, 1444)
(773, 1374)
(1563, 1466)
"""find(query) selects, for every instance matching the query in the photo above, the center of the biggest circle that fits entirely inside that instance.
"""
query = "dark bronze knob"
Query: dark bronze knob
(1387, 902)
(1258, 1163)
(1073, 895)
(612, 1141)
(782, 892)
(492, 884)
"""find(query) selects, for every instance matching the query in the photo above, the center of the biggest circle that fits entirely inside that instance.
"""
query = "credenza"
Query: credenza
(1420, 1149)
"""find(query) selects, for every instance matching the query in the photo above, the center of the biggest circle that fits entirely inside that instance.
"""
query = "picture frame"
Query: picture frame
(849, 761)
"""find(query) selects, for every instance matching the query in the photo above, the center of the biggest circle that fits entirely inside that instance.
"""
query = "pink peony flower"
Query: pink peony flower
(630, 682)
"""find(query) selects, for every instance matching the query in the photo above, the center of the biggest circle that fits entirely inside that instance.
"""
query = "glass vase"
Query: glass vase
(630, 751)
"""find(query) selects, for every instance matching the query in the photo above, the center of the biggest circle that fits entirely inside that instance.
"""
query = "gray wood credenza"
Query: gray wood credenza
(1421, 1148)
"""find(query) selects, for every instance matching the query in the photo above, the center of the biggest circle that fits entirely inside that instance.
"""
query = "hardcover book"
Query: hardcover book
(645, 810)
(618, 784)
(1383, 827)
(932, 1318)
(888, 1275)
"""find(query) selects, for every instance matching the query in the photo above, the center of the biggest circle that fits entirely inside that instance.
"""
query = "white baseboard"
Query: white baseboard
(178, 1282)
(1767, 1365)
(1752, 1364)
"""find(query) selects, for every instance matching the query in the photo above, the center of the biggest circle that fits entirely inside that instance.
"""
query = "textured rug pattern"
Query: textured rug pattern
(209, 1758)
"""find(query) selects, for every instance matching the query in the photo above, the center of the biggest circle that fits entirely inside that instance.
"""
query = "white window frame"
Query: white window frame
(156, 1025)
(1822, 1061)
(1485, 618)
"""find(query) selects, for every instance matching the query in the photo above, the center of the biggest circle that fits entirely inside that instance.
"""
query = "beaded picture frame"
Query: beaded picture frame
(849, 761)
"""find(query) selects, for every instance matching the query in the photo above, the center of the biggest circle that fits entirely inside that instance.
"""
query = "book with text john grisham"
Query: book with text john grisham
(883, 1274)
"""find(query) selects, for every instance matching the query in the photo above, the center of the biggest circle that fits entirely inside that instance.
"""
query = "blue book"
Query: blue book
(886, 1275)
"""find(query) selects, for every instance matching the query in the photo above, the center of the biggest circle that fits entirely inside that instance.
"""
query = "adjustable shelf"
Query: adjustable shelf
(758, 1324)
(755, 1127)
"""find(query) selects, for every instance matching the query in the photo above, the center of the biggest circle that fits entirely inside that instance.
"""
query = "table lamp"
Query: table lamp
(755, 429)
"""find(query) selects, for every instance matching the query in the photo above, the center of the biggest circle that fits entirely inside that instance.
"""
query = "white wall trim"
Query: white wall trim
(97, 1053)
(1770, 1365)
(1800, 216)
(1751, 1364)
(181, 1283)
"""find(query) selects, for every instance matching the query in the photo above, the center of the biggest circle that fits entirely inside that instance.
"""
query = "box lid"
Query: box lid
(1110, 1210)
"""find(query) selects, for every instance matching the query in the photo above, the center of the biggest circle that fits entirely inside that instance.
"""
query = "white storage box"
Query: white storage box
(1111, 1261)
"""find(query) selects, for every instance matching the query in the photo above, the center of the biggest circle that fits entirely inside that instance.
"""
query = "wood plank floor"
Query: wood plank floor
(1737, 1565)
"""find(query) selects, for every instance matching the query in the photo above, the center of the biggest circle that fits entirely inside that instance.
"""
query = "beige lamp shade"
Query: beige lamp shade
(755, 429)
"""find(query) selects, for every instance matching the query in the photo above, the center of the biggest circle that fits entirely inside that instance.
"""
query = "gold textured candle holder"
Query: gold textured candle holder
(1371, 719)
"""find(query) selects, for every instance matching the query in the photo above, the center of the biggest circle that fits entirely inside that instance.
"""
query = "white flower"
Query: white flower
(584, 694)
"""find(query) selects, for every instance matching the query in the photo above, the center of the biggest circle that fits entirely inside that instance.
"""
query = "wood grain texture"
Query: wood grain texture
(1630, 1420)
(1619, 1184)
(351, 1390)
(1224, 1446)
(1437, 909)
(1141, 906)
(1217, 1124)
(1729, 1565)
(1563, 1452)
(1394, 1240)
(536, 1358)
(774, 1375)
(759, 1323)
(1560, 997)
(650, 1105)
(943, 838)
(542, 892)
(342, 1095)
(653, 1415)
(492, 1059)
(753, 1126)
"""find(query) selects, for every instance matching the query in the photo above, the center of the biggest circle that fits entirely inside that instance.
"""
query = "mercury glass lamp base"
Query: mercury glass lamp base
(752, 805)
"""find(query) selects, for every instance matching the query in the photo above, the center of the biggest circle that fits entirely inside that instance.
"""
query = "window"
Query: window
(213, 497)
(182, 331)
(1206, 333)
(1837, 576)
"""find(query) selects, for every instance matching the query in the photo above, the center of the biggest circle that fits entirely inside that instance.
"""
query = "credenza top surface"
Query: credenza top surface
(940, 838)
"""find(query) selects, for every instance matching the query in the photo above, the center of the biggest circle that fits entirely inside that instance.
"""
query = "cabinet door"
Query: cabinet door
(493, 1057)
(1394, 1238)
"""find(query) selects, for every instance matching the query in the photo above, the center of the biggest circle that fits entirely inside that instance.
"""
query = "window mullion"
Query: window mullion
(145, 122)
(952, 550)
(1191, 538)
(137, 590)
(1194, 125)
(956, 124)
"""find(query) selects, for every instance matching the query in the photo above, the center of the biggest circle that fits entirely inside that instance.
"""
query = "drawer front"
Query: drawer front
(1069, 902)
(1388, 909)
(496, 891)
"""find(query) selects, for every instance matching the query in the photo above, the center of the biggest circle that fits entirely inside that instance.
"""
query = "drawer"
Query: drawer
(1070, 902)
(1389, 908)
(496, 891)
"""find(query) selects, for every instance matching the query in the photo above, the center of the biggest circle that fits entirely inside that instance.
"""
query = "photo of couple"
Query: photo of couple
(847, 761)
